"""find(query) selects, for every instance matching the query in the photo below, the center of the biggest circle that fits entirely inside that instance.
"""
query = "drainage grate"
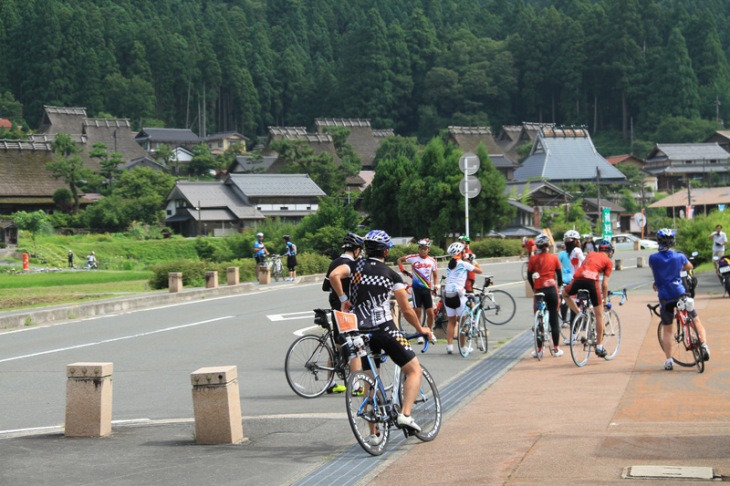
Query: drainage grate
(669, 472)
(340, 470)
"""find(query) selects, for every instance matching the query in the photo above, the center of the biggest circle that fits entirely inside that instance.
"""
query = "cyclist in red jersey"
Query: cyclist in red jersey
(545, 275)
(469, 256)
(528, 245)
(587, 276)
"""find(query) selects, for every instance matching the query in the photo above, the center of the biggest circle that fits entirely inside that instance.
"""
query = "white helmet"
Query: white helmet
(571, 234)
(542, 240)
(455, 248)
(424, 242)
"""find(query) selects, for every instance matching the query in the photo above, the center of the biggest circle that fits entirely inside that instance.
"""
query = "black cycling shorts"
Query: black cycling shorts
(590, 285)
(389, 339)
(666, 311)
(422, 298)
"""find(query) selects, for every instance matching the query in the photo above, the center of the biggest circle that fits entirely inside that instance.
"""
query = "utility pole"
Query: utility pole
(598, 199)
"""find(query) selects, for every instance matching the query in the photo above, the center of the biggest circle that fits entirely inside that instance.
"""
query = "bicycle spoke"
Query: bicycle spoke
(537, 330)
(696, 346)
(580, 345)
(482, 336)
(466, 334)
(309, 366)
(426, 409)
(498, 307)
(363, 412)
(680, 354)
(611, 333)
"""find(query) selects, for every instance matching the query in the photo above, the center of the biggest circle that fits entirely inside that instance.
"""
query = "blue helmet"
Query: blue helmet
(377, 240)
(665, 238)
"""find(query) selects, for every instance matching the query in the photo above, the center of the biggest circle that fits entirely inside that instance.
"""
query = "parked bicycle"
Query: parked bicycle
(687, 350)
(372, 414)
(277, 269)
(584, 336)
(498, 306)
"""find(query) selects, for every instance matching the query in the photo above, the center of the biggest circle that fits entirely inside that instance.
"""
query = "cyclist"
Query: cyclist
(528, 245)
(259, 249)
(587, 276)
(719, 240)
(665, 266)
(424, 275)
(352, 246)
(291, 258)
(471, 277)
(454, 288)
(373, 284)
(588, 245)
(545, 275)
(570, 259)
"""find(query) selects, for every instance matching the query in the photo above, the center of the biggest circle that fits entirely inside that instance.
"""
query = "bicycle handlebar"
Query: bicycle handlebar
(368, 335)
(620, 293)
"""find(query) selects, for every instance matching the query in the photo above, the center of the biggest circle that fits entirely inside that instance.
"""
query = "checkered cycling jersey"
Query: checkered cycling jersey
(372, 284)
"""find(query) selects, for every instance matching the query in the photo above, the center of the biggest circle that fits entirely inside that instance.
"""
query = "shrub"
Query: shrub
(495, 247)
(311, 263)
(193, 273)
(402, 250)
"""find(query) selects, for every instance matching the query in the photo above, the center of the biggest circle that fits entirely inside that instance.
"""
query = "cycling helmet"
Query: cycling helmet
(259, 235)
(352, 240)
(604, 245)
(377, 240)
(665, 238)
(455, 249)
(571, 234)
(465, 239)
(424, 242)
(542, 241)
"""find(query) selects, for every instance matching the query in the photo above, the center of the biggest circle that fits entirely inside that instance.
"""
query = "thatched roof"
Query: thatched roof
(362, 138)
(58, 119)
(469, 138)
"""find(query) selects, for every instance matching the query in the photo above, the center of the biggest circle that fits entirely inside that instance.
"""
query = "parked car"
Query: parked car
(625, 241)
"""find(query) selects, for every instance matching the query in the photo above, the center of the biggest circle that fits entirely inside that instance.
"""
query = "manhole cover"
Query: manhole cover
(669, 472)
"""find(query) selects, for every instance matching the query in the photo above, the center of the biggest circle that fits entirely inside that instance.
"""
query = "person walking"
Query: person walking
(291, 258)
(454, 288)
(424, 275)
(665, 266)
(70, 259)
(545, 275)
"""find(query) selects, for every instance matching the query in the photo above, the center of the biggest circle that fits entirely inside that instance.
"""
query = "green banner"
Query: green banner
(607, 226)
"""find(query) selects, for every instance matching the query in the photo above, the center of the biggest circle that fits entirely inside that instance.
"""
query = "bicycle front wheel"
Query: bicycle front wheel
(696, 346)
(466, 334)
(365, 404)
(309, 366)
(580, 344)
(523, 271)
(537, 330)
(482, 336)
(611, 333)
(498, 307)
(426, 409)
(680, 354)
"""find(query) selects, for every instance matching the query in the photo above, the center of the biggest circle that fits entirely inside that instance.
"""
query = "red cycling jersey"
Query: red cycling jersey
(595, 264)
(544, 264)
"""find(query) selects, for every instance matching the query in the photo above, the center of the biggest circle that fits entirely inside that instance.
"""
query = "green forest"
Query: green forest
(417, 66)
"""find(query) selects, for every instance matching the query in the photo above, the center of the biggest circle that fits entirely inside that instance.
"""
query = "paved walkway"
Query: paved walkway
(551, 422)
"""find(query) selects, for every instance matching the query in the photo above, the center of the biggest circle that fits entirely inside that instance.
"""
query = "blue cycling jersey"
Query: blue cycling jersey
(666, 265)
(566, 266)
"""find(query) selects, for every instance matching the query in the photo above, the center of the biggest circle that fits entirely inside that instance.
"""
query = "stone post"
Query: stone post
(640, 262)
(264, 274)
(619, 264)
(211, 280)
(88, 399)
(175, 281)
(233, 275)
(217, 405)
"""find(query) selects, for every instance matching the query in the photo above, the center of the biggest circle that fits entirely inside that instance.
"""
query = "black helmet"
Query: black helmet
(605, 246)
(352, 240)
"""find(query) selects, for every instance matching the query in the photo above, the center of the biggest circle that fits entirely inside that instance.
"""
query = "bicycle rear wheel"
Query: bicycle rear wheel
(680, 354)
(482, 336)
(426, 409)
(309, 366)
(498, 307)
(580, 345)
(466, 334)
(277, 271)
(364, 413)
(537, 330)
(523, 271)
(696, 345)
(611, 333)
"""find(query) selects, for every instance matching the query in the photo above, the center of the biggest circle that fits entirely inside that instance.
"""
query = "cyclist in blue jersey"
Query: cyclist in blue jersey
(666, 265)
(259, 249)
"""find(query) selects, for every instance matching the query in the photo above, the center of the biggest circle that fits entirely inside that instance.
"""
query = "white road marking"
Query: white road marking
(121, 338)
(291, 316)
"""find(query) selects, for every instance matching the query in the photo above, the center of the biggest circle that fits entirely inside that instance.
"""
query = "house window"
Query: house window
(713, 161)
(169, 212)
(688, 162)
(284, 208)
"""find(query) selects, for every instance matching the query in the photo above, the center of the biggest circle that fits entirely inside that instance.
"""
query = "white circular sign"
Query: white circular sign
(475, 187)
(469, 163)
(640, 220)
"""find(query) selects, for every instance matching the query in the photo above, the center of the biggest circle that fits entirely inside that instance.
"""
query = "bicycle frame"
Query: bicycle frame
(684, 326)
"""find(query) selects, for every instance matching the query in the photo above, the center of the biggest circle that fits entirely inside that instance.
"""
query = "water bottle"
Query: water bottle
(350, 346)
(359, 345)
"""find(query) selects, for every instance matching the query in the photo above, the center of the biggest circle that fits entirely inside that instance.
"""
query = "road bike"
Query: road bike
(498, 306)
(584, 336)
(440, 320)
(472, 327)
(688, 349)
(373, 413)
(274, 263)
(523, 270)
(312, 361)
(541, 331)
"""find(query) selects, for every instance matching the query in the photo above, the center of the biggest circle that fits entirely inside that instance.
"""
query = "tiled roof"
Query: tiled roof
(212, 196)
(688, 151)
(700, 196)
(265, 185)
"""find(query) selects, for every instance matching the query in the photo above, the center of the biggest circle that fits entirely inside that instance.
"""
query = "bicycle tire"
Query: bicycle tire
(426, 409)
(363, 412)
(680, 355)
(537, 336)
(466, 333)
(308, 366)
(406, 326)
(498, 307)
(482, 336)
(580, 345)
(523, 270)
(696, 345)
(440, 320)
(611, 333)
(276, 271)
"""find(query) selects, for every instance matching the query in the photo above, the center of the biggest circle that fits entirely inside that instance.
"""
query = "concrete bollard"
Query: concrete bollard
(264, 274)
(175, 281)
(232, 276)
(528, 290)
(637, 245)
(619, 264)
(211, 280)
(88, 399)
(217, 405)
(640, 262)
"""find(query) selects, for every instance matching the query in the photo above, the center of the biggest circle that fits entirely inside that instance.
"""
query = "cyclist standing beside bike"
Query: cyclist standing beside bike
(587, 277)
(424, 275)
(259, 249)
(372, 285)
(665, 266)
(469, 256)
(543, 270)
(454, 288)
(291, 258)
